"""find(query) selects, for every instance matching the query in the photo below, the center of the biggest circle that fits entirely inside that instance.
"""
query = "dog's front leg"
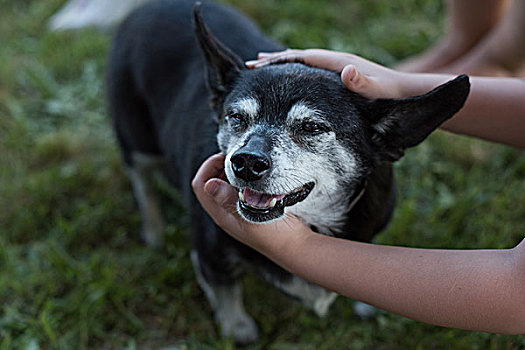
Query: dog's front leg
(217, 268)
(313, 297)
(226, 301)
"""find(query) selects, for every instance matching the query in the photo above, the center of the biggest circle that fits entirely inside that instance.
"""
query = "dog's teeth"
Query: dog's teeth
(241, 196)
(273, 202)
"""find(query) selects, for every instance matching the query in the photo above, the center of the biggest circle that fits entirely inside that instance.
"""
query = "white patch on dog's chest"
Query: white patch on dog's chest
(327, 215)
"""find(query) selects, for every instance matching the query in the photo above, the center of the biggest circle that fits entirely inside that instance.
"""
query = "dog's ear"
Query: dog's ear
(223, 66)
(401, 123)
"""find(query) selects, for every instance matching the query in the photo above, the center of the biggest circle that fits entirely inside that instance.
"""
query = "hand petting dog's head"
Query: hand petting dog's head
(298, 141)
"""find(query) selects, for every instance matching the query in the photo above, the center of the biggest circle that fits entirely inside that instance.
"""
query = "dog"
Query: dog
(296, 141)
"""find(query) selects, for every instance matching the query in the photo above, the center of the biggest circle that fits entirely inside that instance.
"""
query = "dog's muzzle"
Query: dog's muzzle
(261, 207)
(251, 164)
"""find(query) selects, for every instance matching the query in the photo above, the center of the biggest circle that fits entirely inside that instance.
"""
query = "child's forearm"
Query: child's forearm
(495, 108)
(481, 290)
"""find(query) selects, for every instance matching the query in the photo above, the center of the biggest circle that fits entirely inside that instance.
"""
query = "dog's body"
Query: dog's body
(296, 141)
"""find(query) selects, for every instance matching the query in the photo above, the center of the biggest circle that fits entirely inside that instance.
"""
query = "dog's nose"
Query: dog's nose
(250, 166)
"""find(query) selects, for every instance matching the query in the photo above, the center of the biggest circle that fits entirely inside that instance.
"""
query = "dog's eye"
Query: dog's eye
(237, 121)
(236, 117)
(313, 128)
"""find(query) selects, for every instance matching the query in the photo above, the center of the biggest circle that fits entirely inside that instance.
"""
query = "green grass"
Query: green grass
(73, 274)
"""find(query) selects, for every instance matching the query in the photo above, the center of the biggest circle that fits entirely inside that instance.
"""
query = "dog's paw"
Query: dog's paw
(322, 304)
(240, 326)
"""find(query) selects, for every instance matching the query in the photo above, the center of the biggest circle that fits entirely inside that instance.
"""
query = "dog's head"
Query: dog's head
(297, 140)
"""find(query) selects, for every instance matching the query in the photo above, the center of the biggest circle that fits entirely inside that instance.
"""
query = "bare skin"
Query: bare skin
(484, 38)
(501, 52)
(493, 111)
(480, 290)
(468, 22)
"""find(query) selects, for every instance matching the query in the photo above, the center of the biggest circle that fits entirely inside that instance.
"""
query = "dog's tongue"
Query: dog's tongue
(259, 199)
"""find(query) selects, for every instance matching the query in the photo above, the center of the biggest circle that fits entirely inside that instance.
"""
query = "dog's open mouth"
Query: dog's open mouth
(260, 207)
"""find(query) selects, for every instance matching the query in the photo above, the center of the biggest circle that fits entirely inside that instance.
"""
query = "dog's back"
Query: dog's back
(156, 70)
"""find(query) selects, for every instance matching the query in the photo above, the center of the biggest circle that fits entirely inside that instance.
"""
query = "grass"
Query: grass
(73, 274)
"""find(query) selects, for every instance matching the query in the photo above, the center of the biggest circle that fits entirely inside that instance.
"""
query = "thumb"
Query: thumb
(357, 82)
(221, 192)
(366, 85)
(360, 83)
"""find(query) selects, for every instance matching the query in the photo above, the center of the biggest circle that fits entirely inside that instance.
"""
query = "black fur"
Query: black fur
(163, 73)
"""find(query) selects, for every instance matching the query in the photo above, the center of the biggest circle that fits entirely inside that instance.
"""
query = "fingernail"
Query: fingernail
(256, 63)
(349, 75)
(262, 63)
(355, 76)
(352, 72)
(211, 187)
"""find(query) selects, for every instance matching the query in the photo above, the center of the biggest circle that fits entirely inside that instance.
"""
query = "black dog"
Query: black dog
(297, 141)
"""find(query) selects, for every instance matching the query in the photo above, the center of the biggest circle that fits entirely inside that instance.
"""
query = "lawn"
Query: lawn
(73, 273)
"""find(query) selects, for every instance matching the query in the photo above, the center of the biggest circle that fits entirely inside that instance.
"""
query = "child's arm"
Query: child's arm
(481, 290)
(495, 108)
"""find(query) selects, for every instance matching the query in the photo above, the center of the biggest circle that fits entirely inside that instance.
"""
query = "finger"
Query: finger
(349, 75)
(221, 192)
(216, 196)
(274, 59)
(360, 83)
(219, 200)
(267, 58)
(261, 62)
(319, 58)
(261, 55)
(275, 53)
(251, 64)
(212, 167)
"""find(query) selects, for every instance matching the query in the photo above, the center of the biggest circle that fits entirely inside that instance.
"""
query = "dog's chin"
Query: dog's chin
(262, 208)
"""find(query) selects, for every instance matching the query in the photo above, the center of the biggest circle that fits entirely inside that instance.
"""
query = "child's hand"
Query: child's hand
(357, 74)
(216, 196)
(219, 199)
